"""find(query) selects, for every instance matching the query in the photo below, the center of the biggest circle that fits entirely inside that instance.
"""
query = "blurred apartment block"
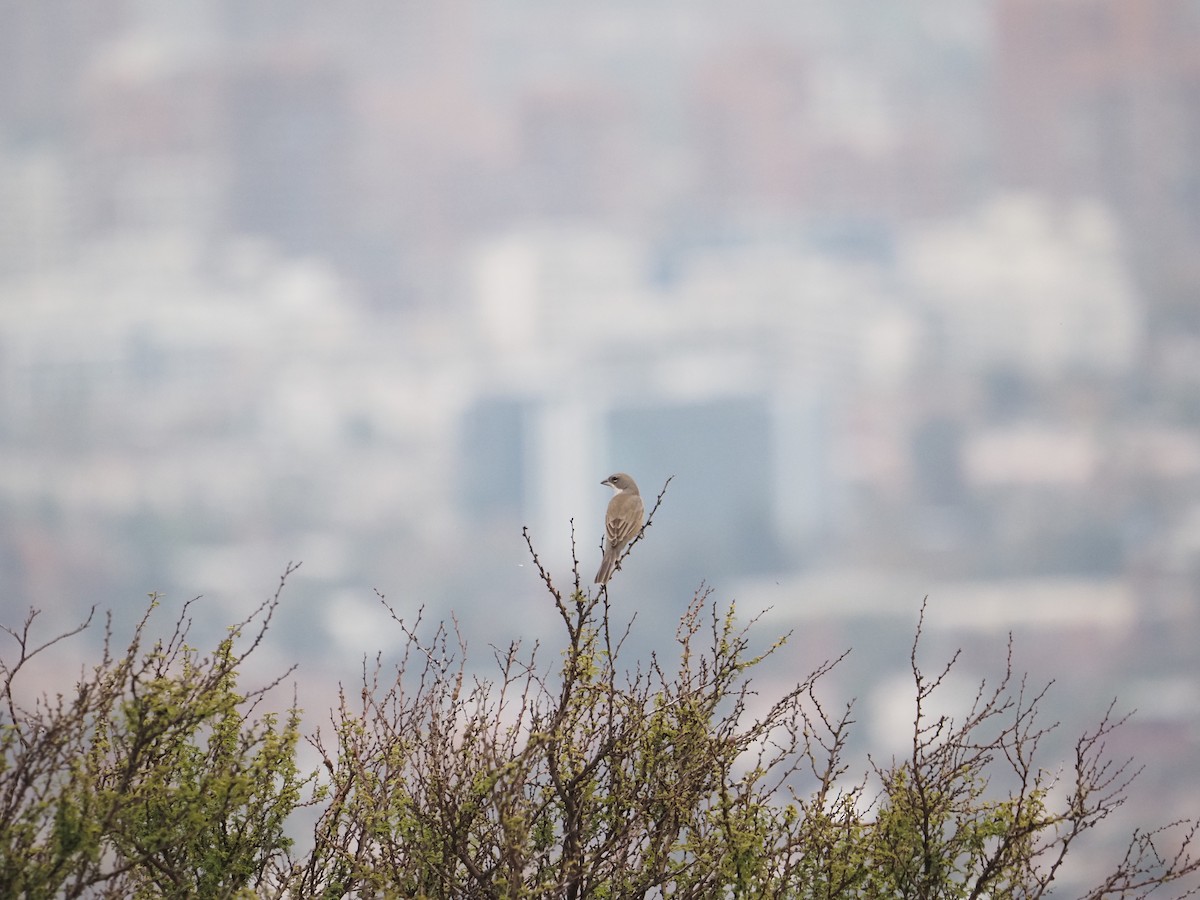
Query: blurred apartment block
(1099, 99)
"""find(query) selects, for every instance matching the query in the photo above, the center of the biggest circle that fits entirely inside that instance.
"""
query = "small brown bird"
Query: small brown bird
(622, 522)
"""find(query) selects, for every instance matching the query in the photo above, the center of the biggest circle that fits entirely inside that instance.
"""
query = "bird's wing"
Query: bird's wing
(624, 520)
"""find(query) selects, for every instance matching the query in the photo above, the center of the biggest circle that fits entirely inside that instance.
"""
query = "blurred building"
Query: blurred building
(45, 50)
(1029, 285)
(754, 129)
(288, 135)
(576, 156)
(1102, 99)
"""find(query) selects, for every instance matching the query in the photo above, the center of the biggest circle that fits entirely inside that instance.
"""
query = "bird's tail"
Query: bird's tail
(606, 566)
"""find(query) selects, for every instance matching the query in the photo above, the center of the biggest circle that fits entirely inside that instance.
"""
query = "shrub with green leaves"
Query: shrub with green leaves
(571, 772)
(154, 780)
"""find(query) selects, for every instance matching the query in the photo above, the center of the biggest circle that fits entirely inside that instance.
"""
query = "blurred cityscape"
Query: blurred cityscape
(906, 300)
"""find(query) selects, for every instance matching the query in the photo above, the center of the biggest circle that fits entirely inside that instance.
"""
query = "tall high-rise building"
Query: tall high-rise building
(45, 49)
(1102, 99)
(288, 133)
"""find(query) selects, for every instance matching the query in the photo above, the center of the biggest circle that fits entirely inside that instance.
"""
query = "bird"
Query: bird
(622, 522)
